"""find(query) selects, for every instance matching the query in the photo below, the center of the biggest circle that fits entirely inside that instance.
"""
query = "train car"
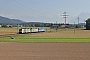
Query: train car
(41, 29)
(31, 30)
(27, 30)
(24, 30)
(21, 31)
(34, 30)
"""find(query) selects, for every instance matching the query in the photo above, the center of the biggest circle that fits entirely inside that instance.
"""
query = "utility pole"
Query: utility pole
(46, 26)
(50, 27)
(56, 26)
(84, 22)
(78, 21)
(74, 27)
(56, 22)
(17, 28)
(65, 16)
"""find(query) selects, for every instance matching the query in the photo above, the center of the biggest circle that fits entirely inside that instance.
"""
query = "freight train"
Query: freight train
(31, 30)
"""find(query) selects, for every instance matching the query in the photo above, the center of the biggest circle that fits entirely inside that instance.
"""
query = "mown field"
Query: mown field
(63, 35)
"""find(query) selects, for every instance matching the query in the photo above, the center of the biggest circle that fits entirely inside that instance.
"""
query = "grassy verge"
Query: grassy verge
(45, 39)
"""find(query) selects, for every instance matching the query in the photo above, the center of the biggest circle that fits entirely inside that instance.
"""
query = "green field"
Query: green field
(25, 38)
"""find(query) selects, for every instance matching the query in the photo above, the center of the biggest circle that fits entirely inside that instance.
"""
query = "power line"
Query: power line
(31, 5)
(17, 6)
(65, 16)
(33, 10)
(28, 7)
(40, 6)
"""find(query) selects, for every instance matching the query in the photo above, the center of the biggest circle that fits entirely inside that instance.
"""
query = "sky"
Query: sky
(43, 10)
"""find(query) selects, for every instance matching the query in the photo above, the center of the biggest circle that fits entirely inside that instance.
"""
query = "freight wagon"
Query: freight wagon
(31, 30)
(24, 30)
(34, 30)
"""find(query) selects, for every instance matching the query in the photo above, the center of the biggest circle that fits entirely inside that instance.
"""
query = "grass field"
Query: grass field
(45, 39)
(53, 36)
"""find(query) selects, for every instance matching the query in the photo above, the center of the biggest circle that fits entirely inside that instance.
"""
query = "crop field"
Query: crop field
(50, 45)
(44, 51)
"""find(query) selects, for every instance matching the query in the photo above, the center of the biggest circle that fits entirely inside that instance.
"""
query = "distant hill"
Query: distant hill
(5, 20)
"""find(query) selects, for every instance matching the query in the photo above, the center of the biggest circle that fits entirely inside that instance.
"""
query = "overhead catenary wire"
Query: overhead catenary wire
(32, 10)
(44, 12)
(27, 7)
(39, 14)
(41, 7)
(19, 7)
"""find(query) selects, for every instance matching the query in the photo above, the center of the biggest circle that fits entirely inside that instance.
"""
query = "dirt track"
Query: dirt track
(44, 51)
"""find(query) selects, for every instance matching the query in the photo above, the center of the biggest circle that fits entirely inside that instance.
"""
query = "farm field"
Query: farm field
(4, 31)
(60, 45)
(44, 51)
(53, 36)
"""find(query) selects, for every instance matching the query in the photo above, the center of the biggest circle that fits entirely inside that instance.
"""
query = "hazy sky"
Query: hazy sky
(43, 10)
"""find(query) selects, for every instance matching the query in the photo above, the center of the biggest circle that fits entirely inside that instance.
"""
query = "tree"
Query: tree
(88, 24)
(76, 26)
(4, 25)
